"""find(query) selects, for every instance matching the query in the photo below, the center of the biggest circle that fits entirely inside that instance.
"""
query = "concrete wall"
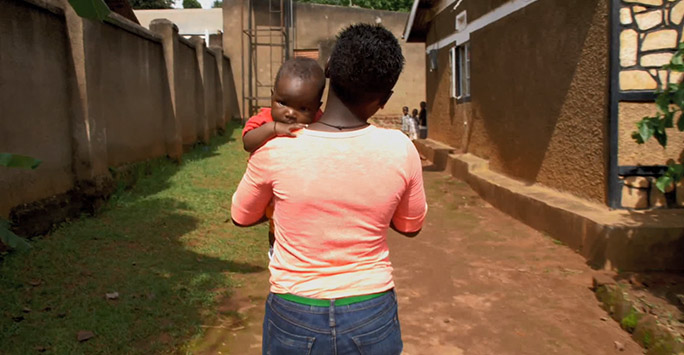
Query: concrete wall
(34, 102)
(129, 94)
(315, 28)
(83, 96)
(212, 92)
(539, 98)
(189, 105)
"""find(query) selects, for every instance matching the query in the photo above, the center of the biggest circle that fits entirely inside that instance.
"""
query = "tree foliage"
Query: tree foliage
(391, 5)
(670, 108)
(151, 4)
(191, 4)
(217, 4)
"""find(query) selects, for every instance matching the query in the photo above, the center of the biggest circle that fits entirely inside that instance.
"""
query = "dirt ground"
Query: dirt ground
(475, 281)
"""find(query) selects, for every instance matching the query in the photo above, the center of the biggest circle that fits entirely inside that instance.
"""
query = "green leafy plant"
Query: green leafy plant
(630, 321)
(10, 239)
(18, 161)
(7, 237)
(670, 104)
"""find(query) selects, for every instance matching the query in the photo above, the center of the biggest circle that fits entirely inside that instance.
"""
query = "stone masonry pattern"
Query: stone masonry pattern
(650, 33)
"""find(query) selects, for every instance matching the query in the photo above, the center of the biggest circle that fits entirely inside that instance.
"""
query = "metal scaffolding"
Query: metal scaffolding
(267, 33)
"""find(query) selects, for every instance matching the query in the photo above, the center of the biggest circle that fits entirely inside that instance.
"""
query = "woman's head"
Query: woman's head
(365, 64)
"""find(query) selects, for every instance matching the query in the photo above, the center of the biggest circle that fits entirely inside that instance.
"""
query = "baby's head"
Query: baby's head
(296, 96)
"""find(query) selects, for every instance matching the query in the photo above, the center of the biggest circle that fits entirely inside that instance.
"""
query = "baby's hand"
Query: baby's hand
(286, 129)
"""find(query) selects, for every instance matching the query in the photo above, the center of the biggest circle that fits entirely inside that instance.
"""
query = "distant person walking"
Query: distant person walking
(422, 119)
(414, 129)
(405, 120)
(408, 124)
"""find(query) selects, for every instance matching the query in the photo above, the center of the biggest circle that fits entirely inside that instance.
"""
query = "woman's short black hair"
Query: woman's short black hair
(365, 62)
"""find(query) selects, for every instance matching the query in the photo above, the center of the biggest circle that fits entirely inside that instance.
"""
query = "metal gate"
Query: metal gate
(267, 33)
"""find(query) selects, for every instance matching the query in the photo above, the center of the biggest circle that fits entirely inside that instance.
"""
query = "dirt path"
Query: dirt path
(475, 281)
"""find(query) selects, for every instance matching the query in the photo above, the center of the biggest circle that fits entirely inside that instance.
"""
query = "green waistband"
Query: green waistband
(326, 303)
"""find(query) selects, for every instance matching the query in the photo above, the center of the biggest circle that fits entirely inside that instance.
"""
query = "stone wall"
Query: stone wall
(650, 31)
(84, 96)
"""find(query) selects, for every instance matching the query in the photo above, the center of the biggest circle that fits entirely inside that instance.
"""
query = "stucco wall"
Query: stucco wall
(34, 102)
(231, 107)
(539, 97)
(315, 28)
(211, 91)
(188, 77)
(129, 91)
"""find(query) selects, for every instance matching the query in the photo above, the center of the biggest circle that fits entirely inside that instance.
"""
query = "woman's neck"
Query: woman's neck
(338, 117)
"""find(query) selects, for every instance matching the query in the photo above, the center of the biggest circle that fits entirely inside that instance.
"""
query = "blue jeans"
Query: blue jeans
(366, 328)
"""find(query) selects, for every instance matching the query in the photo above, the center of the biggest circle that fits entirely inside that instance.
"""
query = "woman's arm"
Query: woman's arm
(253, 193)
(410, 213)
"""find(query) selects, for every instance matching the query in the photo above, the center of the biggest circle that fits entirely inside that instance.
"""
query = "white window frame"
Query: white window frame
(462, 86)
(453, 73)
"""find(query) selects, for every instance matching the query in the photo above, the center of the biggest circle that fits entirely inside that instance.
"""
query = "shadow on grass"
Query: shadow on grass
(129, 175)
(148, 250)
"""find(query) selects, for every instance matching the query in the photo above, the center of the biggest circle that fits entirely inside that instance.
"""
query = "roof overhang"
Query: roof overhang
(418, 21)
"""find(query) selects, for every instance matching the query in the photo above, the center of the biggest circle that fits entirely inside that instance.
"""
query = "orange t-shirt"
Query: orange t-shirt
(335, 195)
(264, 117)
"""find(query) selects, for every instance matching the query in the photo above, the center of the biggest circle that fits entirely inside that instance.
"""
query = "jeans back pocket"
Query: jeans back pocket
(281, 342)
(385, 340)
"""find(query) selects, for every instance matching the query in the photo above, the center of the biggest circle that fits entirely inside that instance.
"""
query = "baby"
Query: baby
(295, 102)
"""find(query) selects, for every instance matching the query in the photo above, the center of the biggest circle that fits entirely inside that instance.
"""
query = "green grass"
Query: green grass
(629, 322)
(163, 245)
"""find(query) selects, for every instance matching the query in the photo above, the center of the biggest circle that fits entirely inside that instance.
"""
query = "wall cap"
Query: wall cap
(53, 6)
(132, 27)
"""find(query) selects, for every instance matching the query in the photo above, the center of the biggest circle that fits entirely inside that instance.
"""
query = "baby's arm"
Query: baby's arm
(257, 137)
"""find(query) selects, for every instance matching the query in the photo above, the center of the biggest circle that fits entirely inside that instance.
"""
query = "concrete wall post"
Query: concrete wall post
(205, 130)
(221, 90)
(88, 135)
(169, 33)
